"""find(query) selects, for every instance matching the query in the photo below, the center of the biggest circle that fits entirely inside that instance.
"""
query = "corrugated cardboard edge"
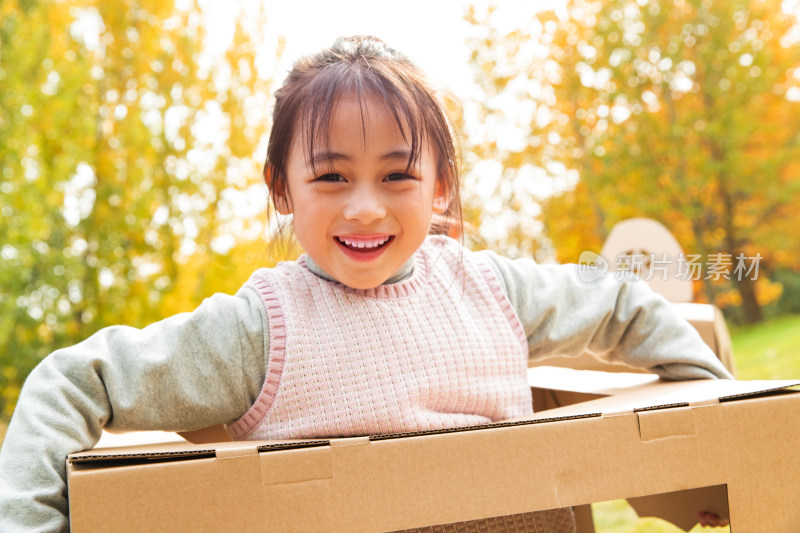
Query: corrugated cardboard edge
(590, 409)
(183, 450)
(663, 394)
(178, 451)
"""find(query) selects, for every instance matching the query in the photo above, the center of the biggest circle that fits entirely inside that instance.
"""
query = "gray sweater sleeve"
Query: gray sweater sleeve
(619, 321)
(186, 372)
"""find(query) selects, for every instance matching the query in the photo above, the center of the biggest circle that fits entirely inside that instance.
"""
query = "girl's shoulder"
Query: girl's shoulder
(438, 244)
(451, 254)
(444, 246)
(296, 266)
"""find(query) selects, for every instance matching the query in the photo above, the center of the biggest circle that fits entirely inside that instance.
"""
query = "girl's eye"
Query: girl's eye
(399, 176)
(329, 178)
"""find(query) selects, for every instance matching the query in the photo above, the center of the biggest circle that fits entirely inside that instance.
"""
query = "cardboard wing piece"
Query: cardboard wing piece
(647, 248)
(733, 445)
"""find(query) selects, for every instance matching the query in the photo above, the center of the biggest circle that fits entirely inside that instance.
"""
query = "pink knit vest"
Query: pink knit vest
(441, 349)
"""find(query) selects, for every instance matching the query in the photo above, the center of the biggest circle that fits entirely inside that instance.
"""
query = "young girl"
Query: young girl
(380, 328)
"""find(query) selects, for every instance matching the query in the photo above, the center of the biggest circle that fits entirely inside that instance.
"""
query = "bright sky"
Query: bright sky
(431, 33)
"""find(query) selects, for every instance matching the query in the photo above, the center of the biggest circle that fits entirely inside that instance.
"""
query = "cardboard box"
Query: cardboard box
(722, 444)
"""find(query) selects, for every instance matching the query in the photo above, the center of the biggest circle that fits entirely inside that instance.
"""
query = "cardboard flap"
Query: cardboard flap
(295, 466)
(184, 450)
(638, 392)
(665, 423)
(166, 451)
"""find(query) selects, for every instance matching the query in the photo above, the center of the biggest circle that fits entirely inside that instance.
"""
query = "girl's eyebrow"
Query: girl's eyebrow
(401, 153)
(328, 156)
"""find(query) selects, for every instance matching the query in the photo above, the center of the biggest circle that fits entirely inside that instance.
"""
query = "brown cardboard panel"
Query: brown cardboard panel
(666, 423)
(200, 495)
(679, 505)
(295, 466)
(209, 434)
(762, 475)
(584, 519)
(748, 443)
(546, 399)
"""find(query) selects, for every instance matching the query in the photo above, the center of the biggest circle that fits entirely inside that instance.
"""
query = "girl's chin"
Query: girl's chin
(369, 278)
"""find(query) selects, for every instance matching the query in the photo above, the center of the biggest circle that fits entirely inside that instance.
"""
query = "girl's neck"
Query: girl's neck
(403, 274)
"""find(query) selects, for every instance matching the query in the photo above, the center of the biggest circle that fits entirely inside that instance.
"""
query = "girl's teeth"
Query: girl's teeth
(364, 244)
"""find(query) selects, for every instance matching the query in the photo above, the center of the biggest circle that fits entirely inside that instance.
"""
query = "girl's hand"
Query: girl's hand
(711, 520)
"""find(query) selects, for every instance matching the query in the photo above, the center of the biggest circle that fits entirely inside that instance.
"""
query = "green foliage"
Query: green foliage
(789, 302)
(768, 351)
(682, 112)
(123, 143)
(618, 516)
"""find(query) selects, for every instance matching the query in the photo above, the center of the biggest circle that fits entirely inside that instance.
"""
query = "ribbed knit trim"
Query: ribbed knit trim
(505, 304)
(401, 289)
(277, 355)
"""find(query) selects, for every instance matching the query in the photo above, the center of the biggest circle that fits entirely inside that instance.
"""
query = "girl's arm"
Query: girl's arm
(186, 372)
(619, 321)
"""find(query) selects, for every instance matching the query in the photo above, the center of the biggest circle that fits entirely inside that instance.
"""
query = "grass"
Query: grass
(768, 351)
(765, 351)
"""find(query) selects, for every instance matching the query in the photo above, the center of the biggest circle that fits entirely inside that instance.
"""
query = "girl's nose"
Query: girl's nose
(365, 205)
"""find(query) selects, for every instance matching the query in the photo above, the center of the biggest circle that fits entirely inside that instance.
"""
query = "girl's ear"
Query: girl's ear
(279, 198)
(441, 198)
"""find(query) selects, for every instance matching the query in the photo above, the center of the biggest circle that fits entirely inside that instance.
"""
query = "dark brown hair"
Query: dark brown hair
(363, 66)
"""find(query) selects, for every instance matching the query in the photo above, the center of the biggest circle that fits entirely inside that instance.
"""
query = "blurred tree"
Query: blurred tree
(682, 111)
(126, 149)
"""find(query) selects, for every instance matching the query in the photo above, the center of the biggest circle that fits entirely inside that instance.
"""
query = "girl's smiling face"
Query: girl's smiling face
(359, 211)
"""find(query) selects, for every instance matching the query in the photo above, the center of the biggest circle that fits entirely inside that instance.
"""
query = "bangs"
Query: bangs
(319, 99)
